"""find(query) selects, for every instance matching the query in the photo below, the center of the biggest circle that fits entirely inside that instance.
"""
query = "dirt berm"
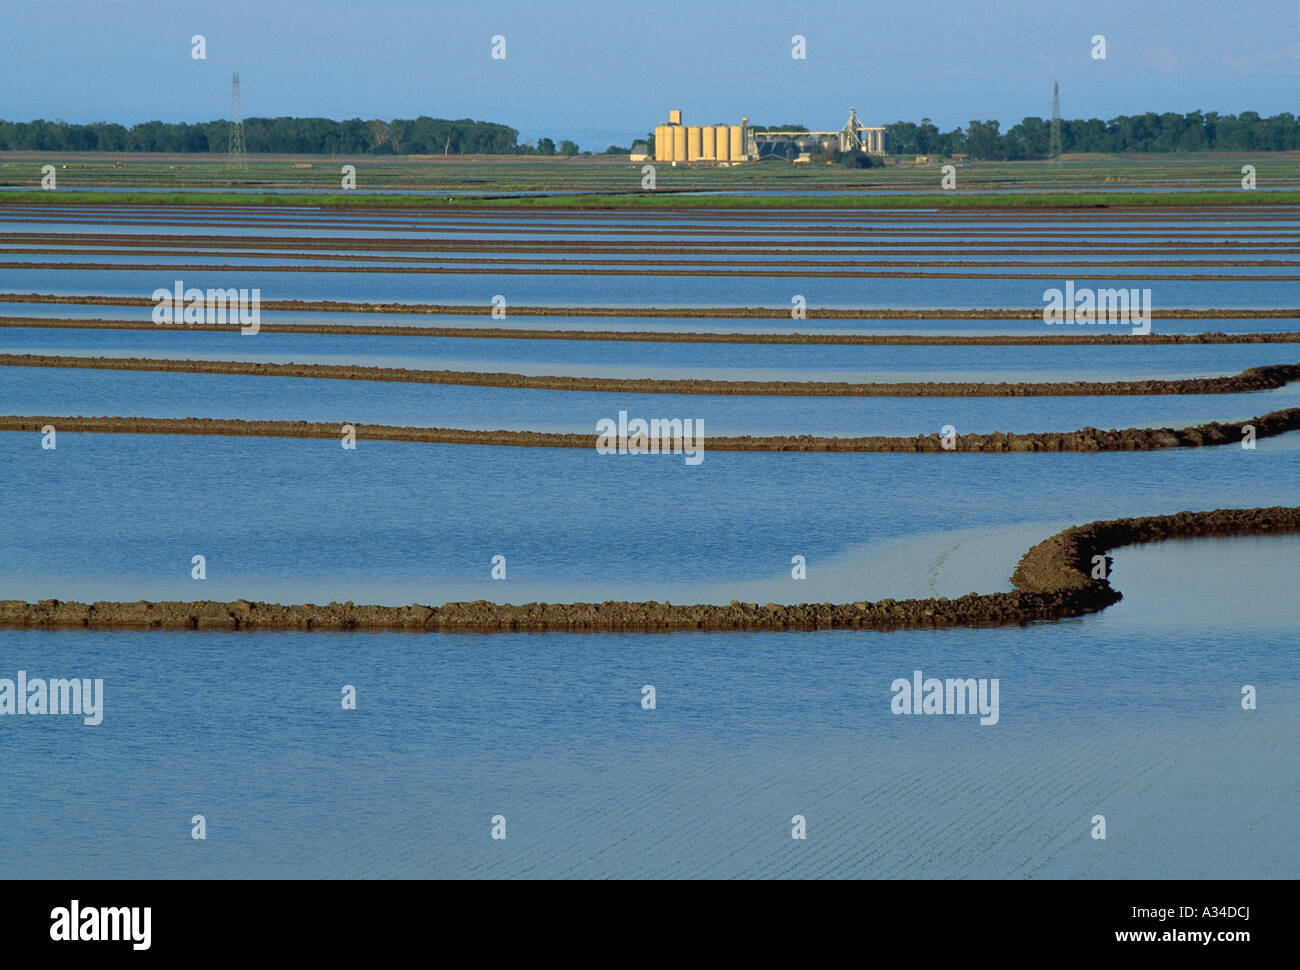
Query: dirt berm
(1265, 378)
(1086, 439)
(1054, 581)
(716, 312)
(686, 336)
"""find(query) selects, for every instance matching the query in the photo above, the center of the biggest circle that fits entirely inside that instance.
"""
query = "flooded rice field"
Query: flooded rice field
(1132, 709)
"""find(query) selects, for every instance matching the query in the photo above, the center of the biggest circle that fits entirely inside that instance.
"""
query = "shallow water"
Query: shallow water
(90, 392)
(507, 260)
(1134, 712)
(290, 520)
(577, 290)
(666, 361)
(560, 321)
(1131, 714)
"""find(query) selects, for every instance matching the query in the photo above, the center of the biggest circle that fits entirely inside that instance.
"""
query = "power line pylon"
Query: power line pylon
(1054, 140)
(236, 154)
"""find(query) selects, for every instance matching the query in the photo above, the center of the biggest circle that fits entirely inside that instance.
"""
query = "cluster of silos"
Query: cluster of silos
(675, 142)
(873, 141)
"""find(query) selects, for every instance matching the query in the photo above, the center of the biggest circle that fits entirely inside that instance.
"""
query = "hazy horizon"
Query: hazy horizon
(615, 72)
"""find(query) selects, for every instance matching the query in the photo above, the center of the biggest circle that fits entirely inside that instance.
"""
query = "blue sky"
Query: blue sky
(602, 71)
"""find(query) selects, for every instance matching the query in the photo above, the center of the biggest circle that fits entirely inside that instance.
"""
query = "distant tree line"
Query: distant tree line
(1150, 132)
(306, 136)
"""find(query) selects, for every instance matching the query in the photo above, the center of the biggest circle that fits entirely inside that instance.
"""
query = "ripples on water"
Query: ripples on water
(1133, 712)
(393, 522)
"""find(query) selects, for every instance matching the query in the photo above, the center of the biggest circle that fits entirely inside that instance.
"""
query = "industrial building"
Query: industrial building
(731, 144)
(675, 142)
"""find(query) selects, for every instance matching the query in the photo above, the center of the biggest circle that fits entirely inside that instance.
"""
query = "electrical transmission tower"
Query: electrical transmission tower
(1054, 141)
(237, 156)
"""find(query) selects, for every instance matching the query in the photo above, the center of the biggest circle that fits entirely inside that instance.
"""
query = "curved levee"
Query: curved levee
(1054, 581)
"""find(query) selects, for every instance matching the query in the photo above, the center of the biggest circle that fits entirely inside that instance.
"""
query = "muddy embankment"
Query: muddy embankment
(917, 253)
(1064, 561)
(706, 313)
(1057, 339)
(339, 248)
(573, 261)
(1054, 581)
(822, 217)
(559, 267)
(1265, 378)
(1084, 440)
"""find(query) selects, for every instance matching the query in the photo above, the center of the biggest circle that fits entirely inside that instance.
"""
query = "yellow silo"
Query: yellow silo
(679, 144)
(708, 146)
(659, 143)
(722, 143)
(693, 139)
(737, 143)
